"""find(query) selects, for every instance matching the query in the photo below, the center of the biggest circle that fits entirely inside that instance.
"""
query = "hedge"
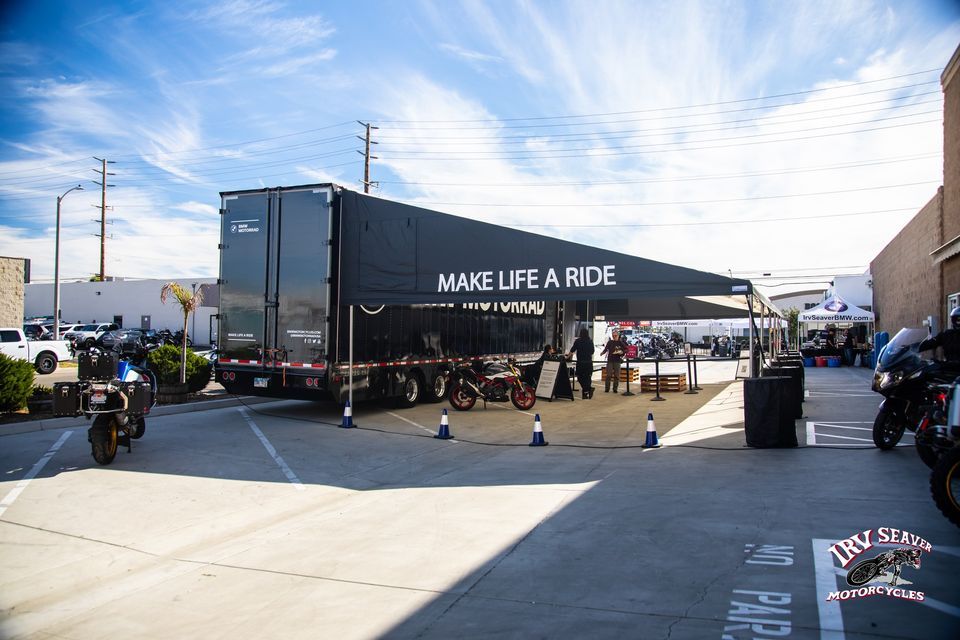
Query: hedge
(16, 383)
(165, 363)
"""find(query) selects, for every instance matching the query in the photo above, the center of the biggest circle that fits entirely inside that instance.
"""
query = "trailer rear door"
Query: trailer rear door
(274, 269)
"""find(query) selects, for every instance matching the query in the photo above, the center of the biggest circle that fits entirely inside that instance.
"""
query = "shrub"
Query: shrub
(165, 364)
(16, 383)
(40, 391)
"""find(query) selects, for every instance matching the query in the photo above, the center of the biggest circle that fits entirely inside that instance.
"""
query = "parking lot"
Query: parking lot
(268, 520)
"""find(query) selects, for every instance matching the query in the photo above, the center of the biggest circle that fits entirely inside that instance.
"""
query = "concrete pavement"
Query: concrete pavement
(270, 521)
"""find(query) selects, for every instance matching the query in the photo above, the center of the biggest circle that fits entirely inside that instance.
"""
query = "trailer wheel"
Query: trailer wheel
(412, 390)
(45, 363)
(437, 391)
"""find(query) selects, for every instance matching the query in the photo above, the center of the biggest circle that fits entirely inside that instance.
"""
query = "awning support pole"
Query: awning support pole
(750, 348)
(350, 360)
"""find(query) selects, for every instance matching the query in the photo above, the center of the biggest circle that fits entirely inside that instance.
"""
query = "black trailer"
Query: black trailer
(284, 332)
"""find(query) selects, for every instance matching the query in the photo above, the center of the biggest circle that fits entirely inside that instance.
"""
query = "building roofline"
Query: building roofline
(809, 292)
(951, 69)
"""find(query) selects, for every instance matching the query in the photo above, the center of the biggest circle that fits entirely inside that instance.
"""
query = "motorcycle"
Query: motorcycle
(907, 383)
(945, 477)
(492, 382)
(116, 390)
(865, 571)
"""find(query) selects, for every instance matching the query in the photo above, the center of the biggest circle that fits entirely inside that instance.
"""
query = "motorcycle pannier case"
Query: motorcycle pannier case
(66, 399)
(138, 397)
(97, 366)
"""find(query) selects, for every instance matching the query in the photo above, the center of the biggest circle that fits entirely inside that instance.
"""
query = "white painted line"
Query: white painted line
(830, 435)
(832, 394)
(843, 422)
(843, 426)
(418, 426)
(948, 609)
(25, 480)
(287, 471)
(831, 618)
(811, 435)
(806, 393)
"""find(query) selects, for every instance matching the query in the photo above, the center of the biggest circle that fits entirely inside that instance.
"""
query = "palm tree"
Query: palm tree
(189, 302)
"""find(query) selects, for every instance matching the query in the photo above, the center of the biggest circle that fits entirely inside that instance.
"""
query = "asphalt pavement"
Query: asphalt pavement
(270, 520)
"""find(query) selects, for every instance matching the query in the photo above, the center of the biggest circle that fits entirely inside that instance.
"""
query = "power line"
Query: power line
(655, 144)
(676, 202)
(695, 106)
(633, 153)
(619, 132)
(714, 222)
(752, 174)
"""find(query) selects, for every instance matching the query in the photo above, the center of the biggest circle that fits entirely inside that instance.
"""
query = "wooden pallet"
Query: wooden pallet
(634, 374)
(668, 382)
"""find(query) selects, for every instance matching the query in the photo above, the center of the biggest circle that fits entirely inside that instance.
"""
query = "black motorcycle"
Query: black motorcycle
(908, 384)
(945, 477)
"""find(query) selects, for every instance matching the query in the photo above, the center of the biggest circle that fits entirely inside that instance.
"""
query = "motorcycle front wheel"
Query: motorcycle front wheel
(460, 399)
(945, 485)
(887, 430)
(524, 398)
(103, 438)
(862, 573)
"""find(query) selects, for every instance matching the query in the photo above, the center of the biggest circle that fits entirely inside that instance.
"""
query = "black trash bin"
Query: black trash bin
(796, 384)
(791, 361)
(768, 412)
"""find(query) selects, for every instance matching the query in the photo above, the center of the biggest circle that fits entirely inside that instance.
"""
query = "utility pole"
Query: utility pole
(103, 212)
(367, 157)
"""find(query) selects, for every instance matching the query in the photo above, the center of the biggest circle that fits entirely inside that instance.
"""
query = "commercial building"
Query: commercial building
(916, 277)
(129, 303)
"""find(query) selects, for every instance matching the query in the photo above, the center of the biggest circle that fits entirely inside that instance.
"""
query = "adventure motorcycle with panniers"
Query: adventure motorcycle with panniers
(490, 382)
(116, 390)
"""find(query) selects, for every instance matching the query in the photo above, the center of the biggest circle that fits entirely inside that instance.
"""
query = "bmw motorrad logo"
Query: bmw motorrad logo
(233, 228)
(837, 306)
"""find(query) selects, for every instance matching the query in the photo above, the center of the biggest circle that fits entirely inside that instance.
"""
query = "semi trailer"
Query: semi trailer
(284, 331)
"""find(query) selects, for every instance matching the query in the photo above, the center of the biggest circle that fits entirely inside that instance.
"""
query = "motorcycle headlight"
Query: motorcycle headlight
(891, 379)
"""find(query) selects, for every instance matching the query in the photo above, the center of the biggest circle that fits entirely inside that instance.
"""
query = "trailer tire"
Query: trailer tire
(437, 391)
(45, 363)
(411, 391)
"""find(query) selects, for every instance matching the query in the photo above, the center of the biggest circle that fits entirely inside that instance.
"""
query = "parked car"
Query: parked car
(45, 355)
(35, 331)
(87, 335)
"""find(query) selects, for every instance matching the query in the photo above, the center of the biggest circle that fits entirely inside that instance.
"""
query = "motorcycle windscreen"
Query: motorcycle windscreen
(904, 344)
(243, 265)
(303, 292)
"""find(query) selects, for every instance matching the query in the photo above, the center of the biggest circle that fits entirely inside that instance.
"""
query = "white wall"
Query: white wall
(101, 301)
(854, 289)
(798, 300)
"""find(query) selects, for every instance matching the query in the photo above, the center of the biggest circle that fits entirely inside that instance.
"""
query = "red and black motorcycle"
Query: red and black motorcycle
(491, 382)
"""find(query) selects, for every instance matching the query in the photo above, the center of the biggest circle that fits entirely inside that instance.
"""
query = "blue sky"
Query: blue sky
(730, 137)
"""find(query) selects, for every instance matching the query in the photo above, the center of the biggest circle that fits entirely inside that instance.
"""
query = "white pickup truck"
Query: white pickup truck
(44, 354)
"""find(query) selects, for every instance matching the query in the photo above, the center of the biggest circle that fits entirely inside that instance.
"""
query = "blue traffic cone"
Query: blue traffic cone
(538, 440)
(347, 417)
(651, 442)
(444, 432)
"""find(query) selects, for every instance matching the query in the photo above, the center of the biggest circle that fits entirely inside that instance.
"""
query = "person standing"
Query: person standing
(849, 346)
(615, 350)
(583, 347)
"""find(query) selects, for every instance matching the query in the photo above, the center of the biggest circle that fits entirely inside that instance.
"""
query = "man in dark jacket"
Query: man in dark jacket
(949, 339)
(615, 349)
(583, 347)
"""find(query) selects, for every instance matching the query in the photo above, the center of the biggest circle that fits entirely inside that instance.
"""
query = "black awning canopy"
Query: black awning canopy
(392, 253)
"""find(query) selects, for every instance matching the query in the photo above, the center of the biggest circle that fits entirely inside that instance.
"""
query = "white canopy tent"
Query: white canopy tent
(834, 310)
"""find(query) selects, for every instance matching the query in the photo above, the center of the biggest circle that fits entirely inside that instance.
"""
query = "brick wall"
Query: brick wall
(950, 80)
(906, 283)
(11, 292)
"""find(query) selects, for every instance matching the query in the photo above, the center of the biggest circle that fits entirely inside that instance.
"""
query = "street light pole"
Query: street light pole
(56, 268)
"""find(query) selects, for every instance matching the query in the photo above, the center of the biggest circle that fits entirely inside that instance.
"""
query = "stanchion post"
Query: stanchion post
(657, 398)
(628, 392)
(690, 390)
(696, 384)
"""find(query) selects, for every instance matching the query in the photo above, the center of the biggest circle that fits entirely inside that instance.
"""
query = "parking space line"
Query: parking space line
(287, 471)
(417, 425)
(25, 480)
(813, 434)
(830, 435)
(831, 618)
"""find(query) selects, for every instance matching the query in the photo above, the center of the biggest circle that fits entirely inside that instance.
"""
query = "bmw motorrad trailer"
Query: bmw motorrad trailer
(284, 331)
